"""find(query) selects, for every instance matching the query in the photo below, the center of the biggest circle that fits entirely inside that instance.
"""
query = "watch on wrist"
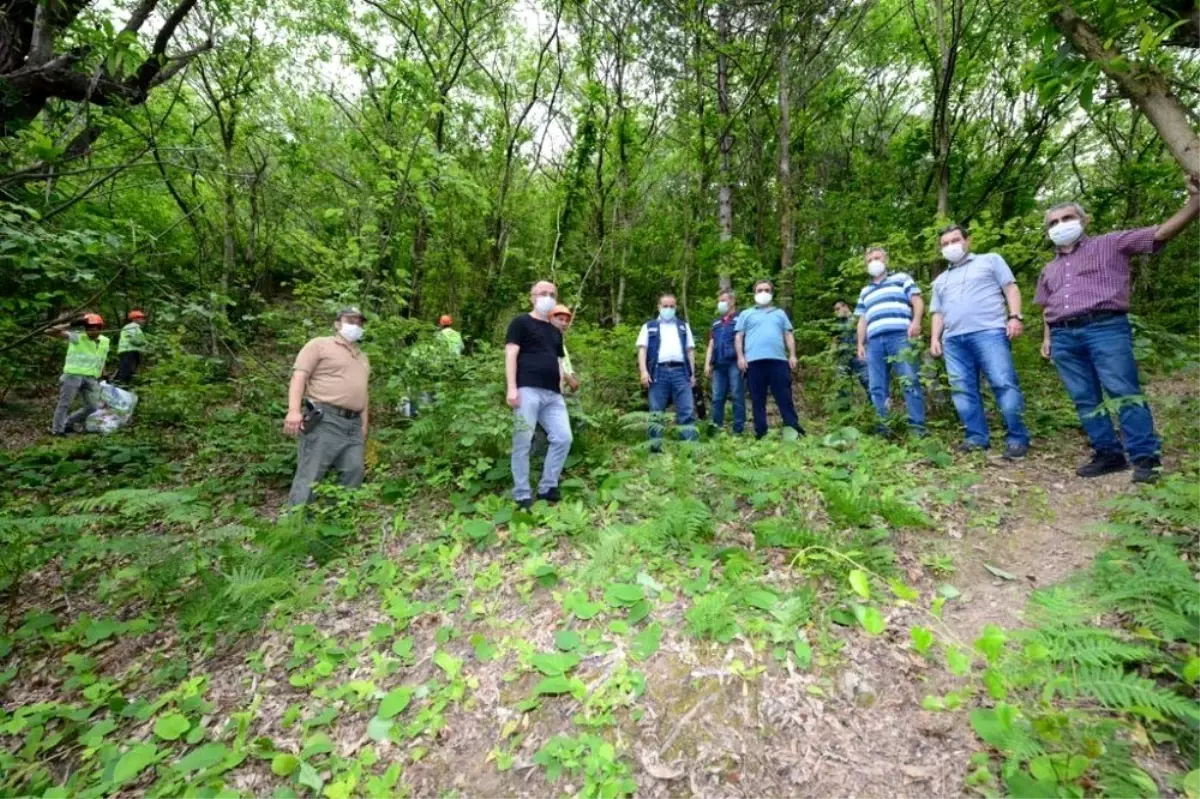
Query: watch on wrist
(1016, 316)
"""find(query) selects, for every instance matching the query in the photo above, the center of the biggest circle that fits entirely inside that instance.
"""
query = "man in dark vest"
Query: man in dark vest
(721, 366)
(667, 360)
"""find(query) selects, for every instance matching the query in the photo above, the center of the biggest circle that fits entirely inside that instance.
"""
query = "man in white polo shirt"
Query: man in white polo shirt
(667, 360)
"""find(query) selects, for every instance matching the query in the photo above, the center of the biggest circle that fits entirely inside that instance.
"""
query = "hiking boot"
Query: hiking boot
(971, 446)
(1147, 470)
(884, 432)
(1014, 452)
(1103, 463)
(525, 504)
(550, 496)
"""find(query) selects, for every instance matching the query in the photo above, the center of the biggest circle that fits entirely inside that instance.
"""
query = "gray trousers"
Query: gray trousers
(68, 386)
(334, 442)
(547, 408)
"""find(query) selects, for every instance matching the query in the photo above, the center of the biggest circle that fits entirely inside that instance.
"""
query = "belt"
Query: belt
(336, 411)
(672, 365)
(1086, 319)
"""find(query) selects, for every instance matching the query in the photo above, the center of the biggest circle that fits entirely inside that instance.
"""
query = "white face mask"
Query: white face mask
(544, 305)
(666, 314)
(876, 268)
(763, 298)
(351, 332)
(1066, 233)
(954, 252)
(722, 307)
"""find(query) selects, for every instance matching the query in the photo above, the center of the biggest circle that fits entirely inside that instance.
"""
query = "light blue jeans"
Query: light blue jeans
(987, 351)
(891, 353)
(549, 409)
(728, 383)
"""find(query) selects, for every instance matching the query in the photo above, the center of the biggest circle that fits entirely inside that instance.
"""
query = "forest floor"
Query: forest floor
(499, 640)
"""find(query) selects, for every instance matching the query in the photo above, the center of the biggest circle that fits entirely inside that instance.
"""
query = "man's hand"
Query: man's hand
(1046, 348)
(862, 352)
(914, 329)
(1015, 328)
(742, 365)
(514, 398)
(293, 423)
(708, 370)
(573, 382)
(645, 379)
(792, 362)
(693, 381)
(1193, 189)
(935, 347)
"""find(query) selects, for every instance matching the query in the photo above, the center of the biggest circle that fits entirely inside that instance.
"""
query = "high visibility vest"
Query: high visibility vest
(453, 339)
(133, 339)
(86, 357)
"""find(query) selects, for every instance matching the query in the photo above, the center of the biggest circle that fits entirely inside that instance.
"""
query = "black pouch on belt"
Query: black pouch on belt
(312, 415)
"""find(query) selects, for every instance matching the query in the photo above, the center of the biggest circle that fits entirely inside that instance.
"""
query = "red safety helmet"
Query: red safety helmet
(93, 320)
(136, 314)
(446, 320)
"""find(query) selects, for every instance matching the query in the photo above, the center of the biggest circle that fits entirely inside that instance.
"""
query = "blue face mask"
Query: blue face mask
(666, 314)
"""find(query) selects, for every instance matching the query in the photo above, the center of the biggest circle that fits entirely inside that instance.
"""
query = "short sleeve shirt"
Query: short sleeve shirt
(887, 305)
(337, 372)
(762, 332)
(1094, 276)
(541, 345)
(670, 350)
(970, 295)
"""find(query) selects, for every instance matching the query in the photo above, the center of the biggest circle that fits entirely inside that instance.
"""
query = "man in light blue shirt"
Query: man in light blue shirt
(889, 314)
(763, 333)
(976, 313)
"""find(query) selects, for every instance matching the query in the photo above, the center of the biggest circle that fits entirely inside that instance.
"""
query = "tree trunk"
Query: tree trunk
(941, 111)
(1145, 87)
(787, 238)
(725, 201)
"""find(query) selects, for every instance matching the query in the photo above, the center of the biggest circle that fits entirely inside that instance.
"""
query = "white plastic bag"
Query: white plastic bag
(117, 399)
(105, 421)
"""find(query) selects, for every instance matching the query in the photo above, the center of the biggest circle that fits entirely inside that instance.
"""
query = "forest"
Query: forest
(843, 614)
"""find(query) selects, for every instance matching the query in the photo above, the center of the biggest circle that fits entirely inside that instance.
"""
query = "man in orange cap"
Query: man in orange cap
(561, 318)
(452, 338)
(86, 354)
(130, 347)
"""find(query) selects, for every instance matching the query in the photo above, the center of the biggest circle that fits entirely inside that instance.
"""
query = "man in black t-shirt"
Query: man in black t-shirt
(531, 352)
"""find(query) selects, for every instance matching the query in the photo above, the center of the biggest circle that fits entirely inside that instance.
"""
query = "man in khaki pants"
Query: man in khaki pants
(327, 406)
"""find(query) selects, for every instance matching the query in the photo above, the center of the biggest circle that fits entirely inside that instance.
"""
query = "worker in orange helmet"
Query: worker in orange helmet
(130, 347)
(452, 338)
(86, 355)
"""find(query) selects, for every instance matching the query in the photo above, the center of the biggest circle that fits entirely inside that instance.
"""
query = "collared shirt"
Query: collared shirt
(669, 348)
(763, 331)
(1094, 276)
(337, 372)
(887, 305)
(970, 294)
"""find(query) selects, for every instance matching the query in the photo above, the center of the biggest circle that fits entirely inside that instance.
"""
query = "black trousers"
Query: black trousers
(127, 366)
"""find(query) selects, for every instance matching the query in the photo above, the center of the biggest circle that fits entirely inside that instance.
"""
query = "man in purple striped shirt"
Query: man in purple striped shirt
(1084, 293)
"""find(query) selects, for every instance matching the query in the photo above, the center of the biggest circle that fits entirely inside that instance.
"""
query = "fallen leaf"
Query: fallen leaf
(1003, 575)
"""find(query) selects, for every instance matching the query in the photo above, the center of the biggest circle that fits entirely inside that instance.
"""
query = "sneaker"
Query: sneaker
(1014, 452)
(525, 504)
(1103, 463)
(1147, 470)
(971, 446)
(550, 496)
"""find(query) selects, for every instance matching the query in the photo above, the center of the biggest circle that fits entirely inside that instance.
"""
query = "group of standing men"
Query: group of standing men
(976, 312)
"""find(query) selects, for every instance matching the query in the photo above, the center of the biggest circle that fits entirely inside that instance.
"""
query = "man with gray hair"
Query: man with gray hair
(1084, 294)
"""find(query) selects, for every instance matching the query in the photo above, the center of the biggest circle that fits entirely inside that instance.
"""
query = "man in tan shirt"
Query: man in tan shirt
(327, 406)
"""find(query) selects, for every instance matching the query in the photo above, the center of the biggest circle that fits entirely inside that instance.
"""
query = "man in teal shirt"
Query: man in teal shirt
(763, 332)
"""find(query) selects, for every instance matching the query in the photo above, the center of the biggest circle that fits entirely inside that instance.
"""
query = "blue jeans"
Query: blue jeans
(549, 409)
(672, 386)
(890, 352)
(987, 351)
(775, 375)
(727, 383)
(1097, 359)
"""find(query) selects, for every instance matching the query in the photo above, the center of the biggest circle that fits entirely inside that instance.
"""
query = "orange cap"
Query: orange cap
(136, 314)
(560, 310)
(93, 320)
(446, 320)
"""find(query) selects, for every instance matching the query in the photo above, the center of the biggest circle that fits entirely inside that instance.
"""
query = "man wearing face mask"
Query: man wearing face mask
(533, 349)
(327, 406)
(889, 314)
(976, 310)
(763, 333)
(667, 362)
(721, 366)
(1084, 294)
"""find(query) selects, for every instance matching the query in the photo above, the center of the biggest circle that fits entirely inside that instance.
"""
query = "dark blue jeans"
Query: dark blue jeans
(1097, 359)
(774, 375)
(891, 353)
(987, 351)
(727, 383)
(672, 386)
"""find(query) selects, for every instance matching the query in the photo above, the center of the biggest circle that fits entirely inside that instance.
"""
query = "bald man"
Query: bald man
(532, 350)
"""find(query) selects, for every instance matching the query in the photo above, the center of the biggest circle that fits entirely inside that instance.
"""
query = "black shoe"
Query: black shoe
(1103, 463)
(800, 431)
(1147, 470)
(1014, 452)
(524, 504)
(970, 446)
(550, 496)
(884, 432)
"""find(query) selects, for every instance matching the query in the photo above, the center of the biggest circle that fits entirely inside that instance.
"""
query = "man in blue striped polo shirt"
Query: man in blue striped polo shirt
(889, 314)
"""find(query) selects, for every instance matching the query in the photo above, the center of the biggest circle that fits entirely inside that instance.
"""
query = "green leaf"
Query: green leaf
(403, 647)
(1022, 786)
(948, 591)
(478, 529)
(587, 610)
(553, 665)
(448, 663)
(993, 680)
(101, 630)
(922, 638)
(803, 652)
(394, 702)
(172, 726)
(1191, 784)
(870, 618)
(284, 765)
(861, 583)
(993, 725)
(761, 598)
(1191, 670)
(134, 762)
(623, 594)
(567, 640)
(1003, 575)
(206, 756)
(958, 661)
(936, 606)
(903, 591)
(558, 685)
(645, 644)
(991, 643)
(378, 729)
(310, 778)
(638, 611)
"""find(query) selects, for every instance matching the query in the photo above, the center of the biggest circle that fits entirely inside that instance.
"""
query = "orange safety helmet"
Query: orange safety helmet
(136, 314)
(93, 320)
(446, 320)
